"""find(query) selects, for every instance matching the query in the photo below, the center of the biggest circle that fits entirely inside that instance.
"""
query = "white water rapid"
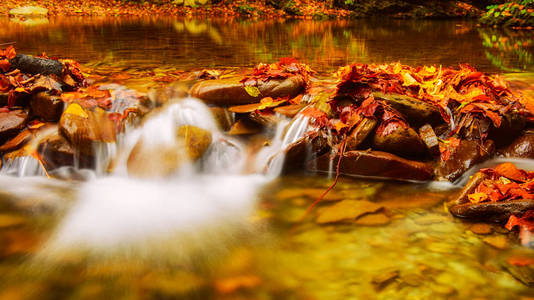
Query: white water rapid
(120, 213)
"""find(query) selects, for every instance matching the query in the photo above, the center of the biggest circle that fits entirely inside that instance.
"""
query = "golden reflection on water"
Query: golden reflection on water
(326, 45)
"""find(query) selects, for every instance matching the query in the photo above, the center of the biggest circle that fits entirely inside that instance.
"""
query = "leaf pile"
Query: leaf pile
(17, 84)
(460, 94)
(505, 182)
(286, 67)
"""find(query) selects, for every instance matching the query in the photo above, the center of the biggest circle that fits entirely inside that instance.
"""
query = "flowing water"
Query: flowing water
(229, 227)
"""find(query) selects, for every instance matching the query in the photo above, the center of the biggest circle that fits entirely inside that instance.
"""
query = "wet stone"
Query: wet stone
(231, 91)
(385, 278)
(373, 220)
(481, 228)
(347, 210)
(497, 241)
(374, 164)
(46, 106)
(11, 123)
(290, 193)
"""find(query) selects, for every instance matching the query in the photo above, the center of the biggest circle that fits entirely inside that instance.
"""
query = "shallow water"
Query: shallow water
(410, 249)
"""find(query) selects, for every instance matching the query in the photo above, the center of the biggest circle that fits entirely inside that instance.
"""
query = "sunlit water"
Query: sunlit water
(226, 231)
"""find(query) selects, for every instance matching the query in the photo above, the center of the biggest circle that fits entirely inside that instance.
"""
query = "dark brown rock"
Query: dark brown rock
(429, 138)
(415, 111)
(34, 65)
(231, 91)
(360, 133)
(18, 141)
(468, 154)
(512, 125)
(492, 211)
(300, 152)
(400, 140)
(56, 151)
(522, 147)
(374, 164)
(46, 106)
(11, 123)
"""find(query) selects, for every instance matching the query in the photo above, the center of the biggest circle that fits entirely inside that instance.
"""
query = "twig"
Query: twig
(310, 208)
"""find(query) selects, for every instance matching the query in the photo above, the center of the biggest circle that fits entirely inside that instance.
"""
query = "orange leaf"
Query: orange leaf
(477, 197)
(509, 170)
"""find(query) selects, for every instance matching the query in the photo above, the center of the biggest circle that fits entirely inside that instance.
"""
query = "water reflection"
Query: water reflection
(509, 50)
(187, 44)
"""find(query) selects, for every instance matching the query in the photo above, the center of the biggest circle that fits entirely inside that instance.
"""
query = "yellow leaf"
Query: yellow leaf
(20, 90)
(76, 109)
(477, 197)
(340, 125)
(408, 80)
(252, 90)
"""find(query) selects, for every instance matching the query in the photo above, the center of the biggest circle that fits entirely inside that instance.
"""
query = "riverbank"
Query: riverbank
(263, 9)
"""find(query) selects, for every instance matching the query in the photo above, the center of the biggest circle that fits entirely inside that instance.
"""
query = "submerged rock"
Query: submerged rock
(231, 91)
(347, 210)
(374, 164)
(11, 123)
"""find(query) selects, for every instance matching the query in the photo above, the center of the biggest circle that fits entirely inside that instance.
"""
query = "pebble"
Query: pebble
(497, 241)
(481, 228)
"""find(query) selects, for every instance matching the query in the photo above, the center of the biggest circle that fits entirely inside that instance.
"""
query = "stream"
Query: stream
(232, 226)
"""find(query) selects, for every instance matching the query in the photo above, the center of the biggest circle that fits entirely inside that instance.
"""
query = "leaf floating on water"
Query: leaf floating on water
(252, 91)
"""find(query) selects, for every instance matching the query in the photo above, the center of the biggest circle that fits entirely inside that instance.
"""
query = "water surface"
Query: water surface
(414, 250)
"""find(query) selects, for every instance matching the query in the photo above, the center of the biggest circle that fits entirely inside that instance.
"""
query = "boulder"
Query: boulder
(151, 160)
(498, 212)
(374, 164)
(46, 106)
(512, 125)
(231, 91)
(360, 133)
(11, 123)
(29, 11)
(18, 141)
(468, 154)
(55, 151)
(300, 152)
(83, 127)
(35, 65)
(400, 140)
(522, 147)
(417, 112)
